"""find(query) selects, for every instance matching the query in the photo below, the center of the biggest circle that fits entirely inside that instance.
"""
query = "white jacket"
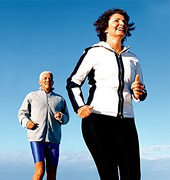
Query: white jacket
(110, 77)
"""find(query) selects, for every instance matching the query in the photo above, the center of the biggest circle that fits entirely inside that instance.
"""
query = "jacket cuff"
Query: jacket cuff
(64, 119)
(143, 97)
(24, 123)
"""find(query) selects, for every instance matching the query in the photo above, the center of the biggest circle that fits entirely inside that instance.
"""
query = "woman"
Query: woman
(115, 77)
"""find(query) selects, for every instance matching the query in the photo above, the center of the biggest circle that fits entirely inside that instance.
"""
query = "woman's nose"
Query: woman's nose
(121, 23)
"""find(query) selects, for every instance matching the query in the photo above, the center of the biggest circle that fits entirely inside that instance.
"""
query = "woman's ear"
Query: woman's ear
(106, 31)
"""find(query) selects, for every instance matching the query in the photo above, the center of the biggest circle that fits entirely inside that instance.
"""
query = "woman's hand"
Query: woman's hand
(137, 88)
(30, 125)
(84, 111)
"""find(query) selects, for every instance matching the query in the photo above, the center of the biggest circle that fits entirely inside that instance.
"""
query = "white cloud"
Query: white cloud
(158, 169)
(21, 156)
(155, 152)
(76, 165)
(77, 161)
(69, 156)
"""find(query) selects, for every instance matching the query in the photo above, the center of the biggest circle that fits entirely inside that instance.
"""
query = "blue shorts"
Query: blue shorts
(45, 151)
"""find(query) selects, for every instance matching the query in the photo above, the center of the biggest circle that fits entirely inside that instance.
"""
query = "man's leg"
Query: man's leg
(51, 172)
(52, 158)
(38, 155)
(39, 171)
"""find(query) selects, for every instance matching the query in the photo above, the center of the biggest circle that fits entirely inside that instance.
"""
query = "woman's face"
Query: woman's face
(117, 26)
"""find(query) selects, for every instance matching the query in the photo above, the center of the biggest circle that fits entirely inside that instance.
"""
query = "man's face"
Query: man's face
(46, 82)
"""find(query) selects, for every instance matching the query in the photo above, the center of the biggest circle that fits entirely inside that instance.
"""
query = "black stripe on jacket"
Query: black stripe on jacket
(71, 84)
(121, 85)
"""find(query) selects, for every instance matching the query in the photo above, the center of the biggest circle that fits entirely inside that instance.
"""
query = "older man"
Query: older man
(42, 113)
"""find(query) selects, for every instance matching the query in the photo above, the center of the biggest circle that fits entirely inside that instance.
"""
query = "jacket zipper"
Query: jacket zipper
(121, 85)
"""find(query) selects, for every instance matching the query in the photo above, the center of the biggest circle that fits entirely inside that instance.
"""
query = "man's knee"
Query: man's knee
(39, 169)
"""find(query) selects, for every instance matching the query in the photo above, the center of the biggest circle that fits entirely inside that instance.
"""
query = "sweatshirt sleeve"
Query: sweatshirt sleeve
(65, 114)
(77, 78)
(24, 112)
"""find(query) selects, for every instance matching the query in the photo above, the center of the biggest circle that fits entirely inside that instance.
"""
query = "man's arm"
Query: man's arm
(64, 116)
(24, 114)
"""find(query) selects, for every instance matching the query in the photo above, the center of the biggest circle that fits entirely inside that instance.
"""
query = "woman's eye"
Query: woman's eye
(125, 22)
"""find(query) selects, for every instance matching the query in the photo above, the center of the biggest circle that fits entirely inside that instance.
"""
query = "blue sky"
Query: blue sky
(51, 35)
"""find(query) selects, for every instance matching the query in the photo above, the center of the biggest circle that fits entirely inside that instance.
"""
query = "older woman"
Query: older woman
(115, 78)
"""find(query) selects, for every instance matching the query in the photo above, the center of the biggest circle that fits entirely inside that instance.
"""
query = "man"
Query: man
(42, 113)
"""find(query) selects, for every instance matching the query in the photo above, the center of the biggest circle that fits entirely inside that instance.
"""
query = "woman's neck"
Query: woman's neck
(115, 44)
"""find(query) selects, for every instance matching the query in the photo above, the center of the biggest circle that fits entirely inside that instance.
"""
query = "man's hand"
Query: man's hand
(58, 116)
(85, 111)
(31, 125)
(137, 87)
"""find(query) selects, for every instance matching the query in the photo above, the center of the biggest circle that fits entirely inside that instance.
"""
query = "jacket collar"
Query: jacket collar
(41, 89)
(107, 46)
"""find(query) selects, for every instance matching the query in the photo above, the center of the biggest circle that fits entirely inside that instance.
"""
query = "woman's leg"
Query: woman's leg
(129, 159)
(97, 134)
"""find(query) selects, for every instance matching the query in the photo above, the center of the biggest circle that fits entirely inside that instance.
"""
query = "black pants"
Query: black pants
(113, 143)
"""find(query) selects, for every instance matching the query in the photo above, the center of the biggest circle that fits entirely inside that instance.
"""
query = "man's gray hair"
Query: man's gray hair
(40, 77)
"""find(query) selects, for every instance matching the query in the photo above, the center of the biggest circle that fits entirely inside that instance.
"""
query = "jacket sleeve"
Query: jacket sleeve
(24, 112)
(77, 78)
(139, 71)
(65, 114)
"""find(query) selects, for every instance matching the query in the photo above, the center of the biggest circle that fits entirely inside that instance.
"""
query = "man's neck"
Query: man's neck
(48, 91)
